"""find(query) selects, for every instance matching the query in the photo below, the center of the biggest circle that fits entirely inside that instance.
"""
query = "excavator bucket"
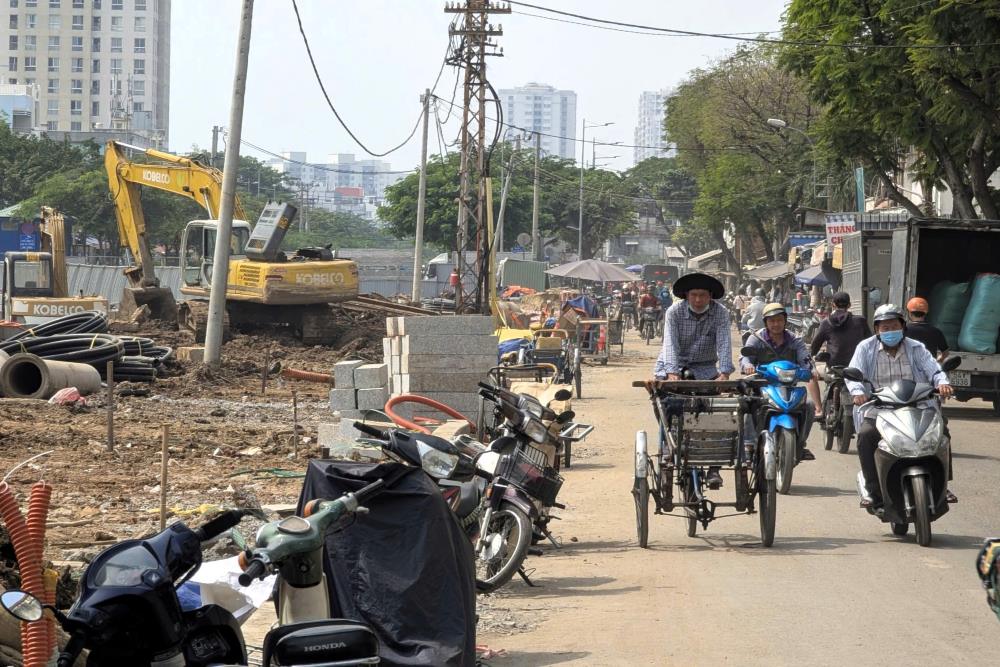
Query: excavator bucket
(160, 301)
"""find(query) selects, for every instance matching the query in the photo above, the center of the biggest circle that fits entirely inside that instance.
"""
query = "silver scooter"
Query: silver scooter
(913, 454)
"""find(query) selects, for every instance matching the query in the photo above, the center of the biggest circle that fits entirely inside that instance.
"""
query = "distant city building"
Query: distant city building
(101, 68)
(19, 106)
(649, 140)
(541, 108)
(343, 184)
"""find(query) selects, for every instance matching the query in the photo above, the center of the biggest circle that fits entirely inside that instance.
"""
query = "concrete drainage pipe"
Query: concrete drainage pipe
(26, 375)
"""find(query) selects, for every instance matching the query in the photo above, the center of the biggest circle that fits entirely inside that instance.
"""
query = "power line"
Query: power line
(329, 102)
(321, 167)
(737, 38)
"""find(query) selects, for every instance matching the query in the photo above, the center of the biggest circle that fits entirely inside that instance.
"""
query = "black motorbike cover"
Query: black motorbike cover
(406, 569)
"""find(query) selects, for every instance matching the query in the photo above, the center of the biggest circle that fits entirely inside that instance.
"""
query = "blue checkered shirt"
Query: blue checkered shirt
(699, 343)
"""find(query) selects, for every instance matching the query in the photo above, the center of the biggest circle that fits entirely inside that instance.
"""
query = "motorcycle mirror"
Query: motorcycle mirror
(565, 417)
(853, 374)
(951, 363)
(22, 605)
(823, 357)
(563, 395)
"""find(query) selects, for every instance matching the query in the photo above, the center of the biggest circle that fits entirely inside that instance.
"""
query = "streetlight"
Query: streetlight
(583, 161)
(593, 151)
(782, 125)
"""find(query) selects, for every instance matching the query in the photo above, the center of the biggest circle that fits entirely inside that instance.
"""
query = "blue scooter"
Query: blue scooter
(783, 418)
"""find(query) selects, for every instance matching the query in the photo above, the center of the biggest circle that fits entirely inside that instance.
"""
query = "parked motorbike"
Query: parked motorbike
(783, 416)
(128, 611)
(913, 454)
(838, 409)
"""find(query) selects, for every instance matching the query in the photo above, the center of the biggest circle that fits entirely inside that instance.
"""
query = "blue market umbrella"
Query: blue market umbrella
(815, 276)
(635, 268)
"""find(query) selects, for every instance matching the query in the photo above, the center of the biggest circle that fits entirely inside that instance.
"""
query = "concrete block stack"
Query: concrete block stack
(440, 357)
(359, 386)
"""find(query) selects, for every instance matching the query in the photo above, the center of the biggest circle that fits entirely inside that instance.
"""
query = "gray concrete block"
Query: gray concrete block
(395, 365)
(392, 327)
(396, 346)
(445, 325)
(455, 345)
(419, 383)
(371, 376)
(343, 372)
(372, 399)
(343, 399)
(386, 349)
(438, 363)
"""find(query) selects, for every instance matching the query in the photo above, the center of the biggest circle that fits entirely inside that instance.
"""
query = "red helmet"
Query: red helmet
(918, 305)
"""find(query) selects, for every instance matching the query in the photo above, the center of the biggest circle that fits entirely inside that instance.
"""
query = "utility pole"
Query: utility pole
(536, 239)
(215, 144)
(418, 246)
(475, 42)
(498, 245)
(220, 274)
(583, 160)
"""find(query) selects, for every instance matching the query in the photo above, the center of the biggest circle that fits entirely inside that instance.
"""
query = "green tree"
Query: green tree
(934, 110)
(27, 161)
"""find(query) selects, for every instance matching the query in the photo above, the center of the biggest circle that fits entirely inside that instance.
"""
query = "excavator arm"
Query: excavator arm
(180, 175)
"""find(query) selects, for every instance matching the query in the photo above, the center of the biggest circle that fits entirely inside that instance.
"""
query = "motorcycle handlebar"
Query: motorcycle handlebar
(255, 570)
(72, 650)
(220, 524)
(369, 490)
(376, 433)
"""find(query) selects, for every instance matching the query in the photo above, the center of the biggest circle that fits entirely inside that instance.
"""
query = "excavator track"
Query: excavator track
(193, 316)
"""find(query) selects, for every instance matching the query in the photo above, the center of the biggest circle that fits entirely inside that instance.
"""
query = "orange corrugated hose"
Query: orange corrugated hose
(38, 510)
(35, 647)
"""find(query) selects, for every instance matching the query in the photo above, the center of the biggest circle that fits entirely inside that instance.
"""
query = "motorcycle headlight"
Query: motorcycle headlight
(436, 463)
(931, 438)
(535, 430)
(786, 375)
(897, 442)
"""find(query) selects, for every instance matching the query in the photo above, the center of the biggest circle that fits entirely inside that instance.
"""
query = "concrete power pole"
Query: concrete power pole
(220, 272)
(536, 239)
(418, 246)
(215, 144)
(475, 42)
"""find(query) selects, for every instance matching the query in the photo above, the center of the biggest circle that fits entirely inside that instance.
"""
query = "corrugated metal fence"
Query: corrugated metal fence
(109, 281)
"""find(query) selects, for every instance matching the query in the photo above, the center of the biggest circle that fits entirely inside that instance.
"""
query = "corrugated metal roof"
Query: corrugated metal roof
(769, 271)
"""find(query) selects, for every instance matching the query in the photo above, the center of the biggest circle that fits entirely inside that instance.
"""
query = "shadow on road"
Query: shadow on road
(971, 414)
(821, 491)
(549, 587)
(535, 658)
(977, 457)
(961, 542)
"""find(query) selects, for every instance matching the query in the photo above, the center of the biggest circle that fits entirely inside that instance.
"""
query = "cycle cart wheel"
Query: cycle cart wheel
(784, 444)
(578, 373)
(508, 538)
(767, 492)
(691, 496)
(640, 492)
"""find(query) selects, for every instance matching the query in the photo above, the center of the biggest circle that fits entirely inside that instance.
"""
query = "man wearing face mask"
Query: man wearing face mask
(697, 338)
(884, 358)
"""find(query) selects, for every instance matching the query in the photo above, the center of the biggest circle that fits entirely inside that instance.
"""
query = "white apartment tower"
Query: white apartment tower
(540, 108)
(649, 140)
(98, 65)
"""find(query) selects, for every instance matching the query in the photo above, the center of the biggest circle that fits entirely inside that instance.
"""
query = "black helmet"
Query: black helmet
(758, 292)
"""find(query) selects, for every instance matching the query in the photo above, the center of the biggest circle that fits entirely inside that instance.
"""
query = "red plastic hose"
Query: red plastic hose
(422, 400)
(35, 647)
(308, 376)
(38, 511)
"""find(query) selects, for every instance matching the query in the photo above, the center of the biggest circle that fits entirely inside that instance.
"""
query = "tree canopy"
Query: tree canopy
(893, 104)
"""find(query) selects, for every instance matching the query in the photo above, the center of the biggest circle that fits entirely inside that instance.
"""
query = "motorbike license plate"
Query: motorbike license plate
(960, 378)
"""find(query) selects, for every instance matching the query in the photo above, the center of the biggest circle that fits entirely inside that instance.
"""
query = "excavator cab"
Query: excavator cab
(198, 243)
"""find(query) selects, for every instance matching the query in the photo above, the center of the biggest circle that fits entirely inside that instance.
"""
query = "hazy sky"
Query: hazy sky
(377, 56)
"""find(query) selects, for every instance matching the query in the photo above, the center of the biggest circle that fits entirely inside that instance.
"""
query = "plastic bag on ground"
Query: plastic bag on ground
(67, 396)
(982, 318)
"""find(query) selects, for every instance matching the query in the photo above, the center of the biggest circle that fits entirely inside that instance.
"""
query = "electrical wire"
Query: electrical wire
(758, 40)
(329, 102)
(320, 167)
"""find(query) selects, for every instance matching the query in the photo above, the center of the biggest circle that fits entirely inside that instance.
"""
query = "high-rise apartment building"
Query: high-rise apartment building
(540, 108)
(99, 66)
(649, 139)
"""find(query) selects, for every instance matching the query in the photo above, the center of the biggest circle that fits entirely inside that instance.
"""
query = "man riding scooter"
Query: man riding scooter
(773, 342)
(753, 318)
(882, 359)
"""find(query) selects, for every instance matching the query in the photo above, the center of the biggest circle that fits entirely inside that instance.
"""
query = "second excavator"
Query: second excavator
(265, 285)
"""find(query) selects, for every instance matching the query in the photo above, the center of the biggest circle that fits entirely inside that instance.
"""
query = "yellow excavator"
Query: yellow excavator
(36, 285)
(264, 285)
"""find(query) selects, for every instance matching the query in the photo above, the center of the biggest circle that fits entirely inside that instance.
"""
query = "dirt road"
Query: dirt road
(836, 588)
